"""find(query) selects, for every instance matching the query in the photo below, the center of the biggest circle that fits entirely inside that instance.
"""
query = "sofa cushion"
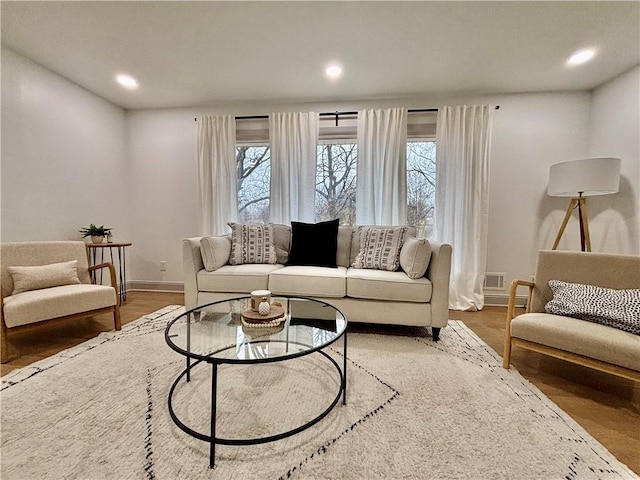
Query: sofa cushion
(384, 285)
(309, 281)
(314, 244)
(36, 305)
(252, 243)
(607, 306)
(236, 278)
(415, 256)
(380, 247)
(577, 336)
(43, 276)
(215, 252)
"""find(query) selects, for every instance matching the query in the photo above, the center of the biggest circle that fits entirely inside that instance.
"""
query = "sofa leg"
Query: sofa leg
(435, 332)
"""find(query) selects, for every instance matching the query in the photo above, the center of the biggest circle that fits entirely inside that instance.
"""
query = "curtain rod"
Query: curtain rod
(336, 114)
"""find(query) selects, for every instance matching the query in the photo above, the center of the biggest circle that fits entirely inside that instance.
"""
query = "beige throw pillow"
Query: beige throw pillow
(44, 276)
(415, 256)
(380, 247)
(252, 243)
(215, 252)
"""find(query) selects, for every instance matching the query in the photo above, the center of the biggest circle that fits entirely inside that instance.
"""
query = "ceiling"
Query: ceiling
(198, 53)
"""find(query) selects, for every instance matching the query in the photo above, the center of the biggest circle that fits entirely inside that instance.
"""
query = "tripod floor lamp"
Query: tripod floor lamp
(579, 179)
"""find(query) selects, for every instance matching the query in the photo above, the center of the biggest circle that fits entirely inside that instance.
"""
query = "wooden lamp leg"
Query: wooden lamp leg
(585, 239)
(572, 205)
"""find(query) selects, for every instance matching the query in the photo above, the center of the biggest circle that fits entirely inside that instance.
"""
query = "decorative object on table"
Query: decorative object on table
(257, 296)
(97, 234)
(257, 324)
(273, 318)
(265, 307)
(579, 179)
(109, 237)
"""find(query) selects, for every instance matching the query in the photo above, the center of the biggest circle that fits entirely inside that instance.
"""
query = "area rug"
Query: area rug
(416, 410)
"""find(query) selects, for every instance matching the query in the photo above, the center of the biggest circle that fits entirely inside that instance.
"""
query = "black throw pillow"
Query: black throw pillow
(314, 244)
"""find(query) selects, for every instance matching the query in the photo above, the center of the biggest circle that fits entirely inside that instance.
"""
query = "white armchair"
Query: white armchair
(44, 281)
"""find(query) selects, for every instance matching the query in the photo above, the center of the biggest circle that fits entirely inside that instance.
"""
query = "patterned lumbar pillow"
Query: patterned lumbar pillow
(252, 243)
(380, 247)
(44, 276)
(607, 306)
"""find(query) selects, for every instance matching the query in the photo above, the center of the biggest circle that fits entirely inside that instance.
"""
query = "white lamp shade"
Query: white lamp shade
(589, 177)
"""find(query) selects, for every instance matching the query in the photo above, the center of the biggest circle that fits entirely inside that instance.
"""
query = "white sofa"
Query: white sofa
(363, 295)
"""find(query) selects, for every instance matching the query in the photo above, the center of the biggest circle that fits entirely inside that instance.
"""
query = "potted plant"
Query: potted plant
(97, 234)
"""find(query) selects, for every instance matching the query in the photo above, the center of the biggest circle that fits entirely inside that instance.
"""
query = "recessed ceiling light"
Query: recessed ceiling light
(127, 81)
(581, 56)
(333, 71)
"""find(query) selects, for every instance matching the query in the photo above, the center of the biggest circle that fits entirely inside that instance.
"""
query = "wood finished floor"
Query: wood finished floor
(608, 407)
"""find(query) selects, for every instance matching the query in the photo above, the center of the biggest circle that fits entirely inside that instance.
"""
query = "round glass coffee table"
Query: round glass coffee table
(218, 334)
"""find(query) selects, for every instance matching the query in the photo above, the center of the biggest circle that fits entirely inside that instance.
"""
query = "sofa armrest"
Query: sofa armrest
(112, 274)
(439, 272)
(191, 265)
(511, 309)
(512, 298)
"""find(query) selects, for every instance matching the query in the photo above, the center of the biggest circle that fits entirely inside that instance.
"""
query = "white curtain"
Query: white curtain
(293, 138)
(463, 139)
(381, 187)
(217, 177)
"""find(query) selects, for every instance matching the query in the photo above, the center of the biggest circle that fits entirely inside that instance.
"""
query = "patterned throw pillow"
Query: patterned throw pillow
(251, 243)
(380, 247)
(607, 306)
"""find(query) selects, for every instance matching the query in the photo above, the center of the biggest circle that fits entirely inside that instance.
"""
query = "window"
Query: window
(254, 173)
(421, 183)
(336, 182)
(336, 162)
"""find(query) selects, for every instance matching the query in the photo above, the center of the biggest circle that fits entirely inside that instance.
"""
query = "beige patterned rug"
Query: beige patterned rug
(416, 410)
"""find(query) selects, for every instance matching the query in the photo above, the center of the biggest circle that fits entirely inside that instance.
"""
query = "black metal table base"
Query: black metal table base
(213, 440)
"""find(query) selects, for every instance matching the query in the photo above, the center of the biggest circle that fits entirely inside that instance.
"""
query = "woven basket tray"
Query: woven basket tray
(250, 317)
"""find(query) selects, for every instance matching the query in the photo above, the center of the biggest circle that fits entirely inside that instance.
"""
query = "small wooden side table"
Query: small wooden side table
(120, 265)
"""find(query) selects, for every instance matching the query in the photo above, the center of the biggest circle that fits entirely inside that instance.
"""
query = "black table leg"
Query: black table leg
(188, 348)
(214, 389)
(344, 371)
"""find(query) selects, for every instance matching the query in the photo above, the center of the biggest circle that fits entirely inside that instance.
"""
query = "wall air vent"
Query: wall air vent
(494, 281)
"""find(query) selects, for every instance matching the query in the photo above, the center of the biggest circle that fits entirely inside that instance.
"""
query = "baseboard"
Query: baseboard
(154, 286)
(502, 300)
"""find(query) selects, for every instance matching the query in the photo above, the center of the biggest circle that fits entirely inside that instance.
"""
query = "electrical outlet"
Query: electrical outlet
(163, 266)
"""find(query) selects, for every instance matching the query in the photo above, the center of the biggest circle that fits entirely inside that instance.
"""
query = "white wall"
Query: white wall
(63, 156)
(530, 132)
(614, 220)
(164, 197)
